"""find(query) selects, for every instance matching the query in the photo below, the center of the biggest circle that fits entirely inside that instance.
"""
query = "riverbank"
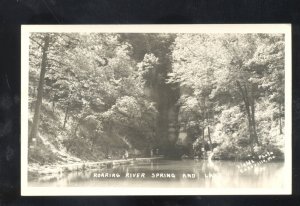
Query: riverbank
(37, 170)
(175, 173)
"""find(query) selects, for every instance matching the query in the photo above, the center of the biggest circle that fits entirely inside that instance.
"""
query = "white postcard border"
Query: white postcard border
(160, 28)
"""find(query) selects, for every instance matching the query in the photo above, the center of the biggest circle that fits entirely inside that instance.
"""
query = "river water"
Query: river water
(167, 173)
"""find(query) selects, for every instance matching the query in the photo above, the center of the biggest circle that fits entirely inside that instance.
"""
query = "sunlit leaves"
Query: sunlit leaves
(208, 67)
(93, 82)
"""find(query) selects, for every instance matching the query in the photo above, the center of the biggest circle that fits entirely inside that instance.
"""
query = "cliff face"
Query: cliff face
(164, 95)
(167, 128)
(167, 124)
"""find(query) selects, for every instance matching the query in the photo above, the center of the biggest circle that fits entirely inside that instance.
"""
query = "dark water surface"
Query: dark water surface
(167, 173)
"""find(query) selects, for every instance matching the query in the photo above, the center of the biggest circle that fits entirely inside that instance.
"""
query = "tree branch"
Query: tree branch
(32, 39)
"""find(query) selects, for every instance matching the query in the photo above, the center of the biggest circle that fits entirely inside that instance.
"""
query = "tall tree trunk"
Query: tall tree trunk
(255, 137)
(204, 150)
(250, 113)
(209, 138)
(206, 116)
(249, 118)
(36, 118)
(280, 122)
(66, 115)
(252, 105)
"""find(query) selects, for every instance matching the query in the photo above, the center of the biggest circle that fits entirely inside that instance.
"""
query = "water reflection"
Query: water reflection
(166, 173)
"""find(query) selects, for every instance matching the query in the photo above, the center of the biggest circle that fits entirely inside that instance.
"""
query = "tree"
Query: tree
(46, 48)
(218, 72)
(90, 83)
(45, 41)
(194, 64)
(268, 66)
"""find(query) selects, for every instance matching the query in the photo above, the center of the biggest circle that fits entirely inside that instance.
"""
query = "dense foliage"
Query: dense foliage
(94, 96)
(232, 89)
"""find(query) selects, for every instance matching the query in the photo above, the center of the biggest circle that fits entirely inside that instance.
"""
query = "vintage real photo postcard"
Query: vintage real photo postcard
(156, 109)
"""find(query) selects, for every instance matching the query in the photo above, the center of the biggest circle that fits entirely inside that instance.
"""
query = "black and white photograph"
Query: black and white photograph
(156, 109)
